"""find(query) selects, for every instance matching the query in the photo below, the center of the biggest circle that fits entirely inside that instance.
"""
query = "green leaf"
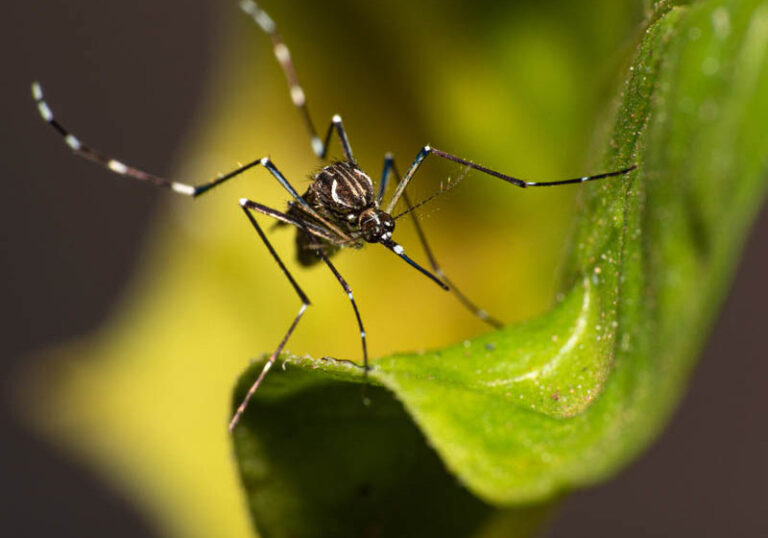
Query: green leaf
(567, 399)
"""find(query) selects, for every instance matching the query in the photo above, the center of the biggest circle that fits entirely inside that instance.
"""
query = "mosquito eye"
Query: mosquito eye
(371, 230)
(388, 222)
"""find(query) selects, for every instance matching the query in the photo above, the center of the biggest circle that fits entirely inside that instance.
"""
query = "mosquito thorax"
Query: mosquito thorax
(376, 225)
(341, 190)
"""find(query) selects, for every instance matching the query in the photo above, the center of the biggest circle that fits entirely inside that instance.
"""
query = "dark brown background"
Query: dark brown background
(707, 475)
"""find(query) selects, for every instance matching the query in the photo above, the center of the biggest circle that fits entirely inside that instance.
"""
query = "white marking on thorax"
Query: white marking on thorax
(335, 194)
(359, 173)
(354, 186)
(352, 182)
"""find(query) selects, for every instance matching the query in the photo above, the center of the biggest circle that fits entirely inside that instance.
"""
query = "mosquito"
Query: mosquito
(341, 207)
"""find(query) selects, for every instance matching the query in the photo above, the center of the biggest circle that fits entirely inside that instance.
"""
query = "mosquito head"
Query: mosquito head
(376, 226)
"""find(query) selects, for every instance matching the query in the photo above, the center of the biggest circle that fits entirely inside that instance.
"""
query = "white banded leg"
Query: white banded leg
(428, 150)
(391, 168)
(283, 56)
(298, 97)
(120, 168)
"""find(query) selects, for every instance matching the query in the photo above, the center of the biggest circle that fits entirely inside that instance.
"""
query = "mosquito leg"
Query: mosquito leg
(427, 150)
(318, 232)
(389, 163)
(283, 56)
(118, 167)
(247, 205)
(391, 168)
(122, 169)
(337, 124)
(348, 290)
(312, 228)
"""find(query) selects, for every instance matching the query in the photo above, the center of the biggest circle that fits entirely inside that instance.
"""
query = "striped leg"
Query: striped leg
(118, 167)
(283, 56)
(247, 206)
(187, 189)
(427, 150)
(390, 168)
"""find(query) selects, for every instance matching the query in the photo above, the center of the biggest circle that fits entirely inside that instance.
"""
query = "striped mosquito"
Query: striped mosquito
(340, 208)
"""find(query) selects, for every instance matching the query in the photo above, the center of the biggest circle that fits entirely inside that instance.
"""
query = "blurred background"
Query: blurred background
(128, 313)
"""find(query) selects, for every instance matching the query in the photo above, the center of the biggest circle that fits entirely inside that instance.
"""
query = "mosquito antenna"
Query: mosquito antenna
(444, 187)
